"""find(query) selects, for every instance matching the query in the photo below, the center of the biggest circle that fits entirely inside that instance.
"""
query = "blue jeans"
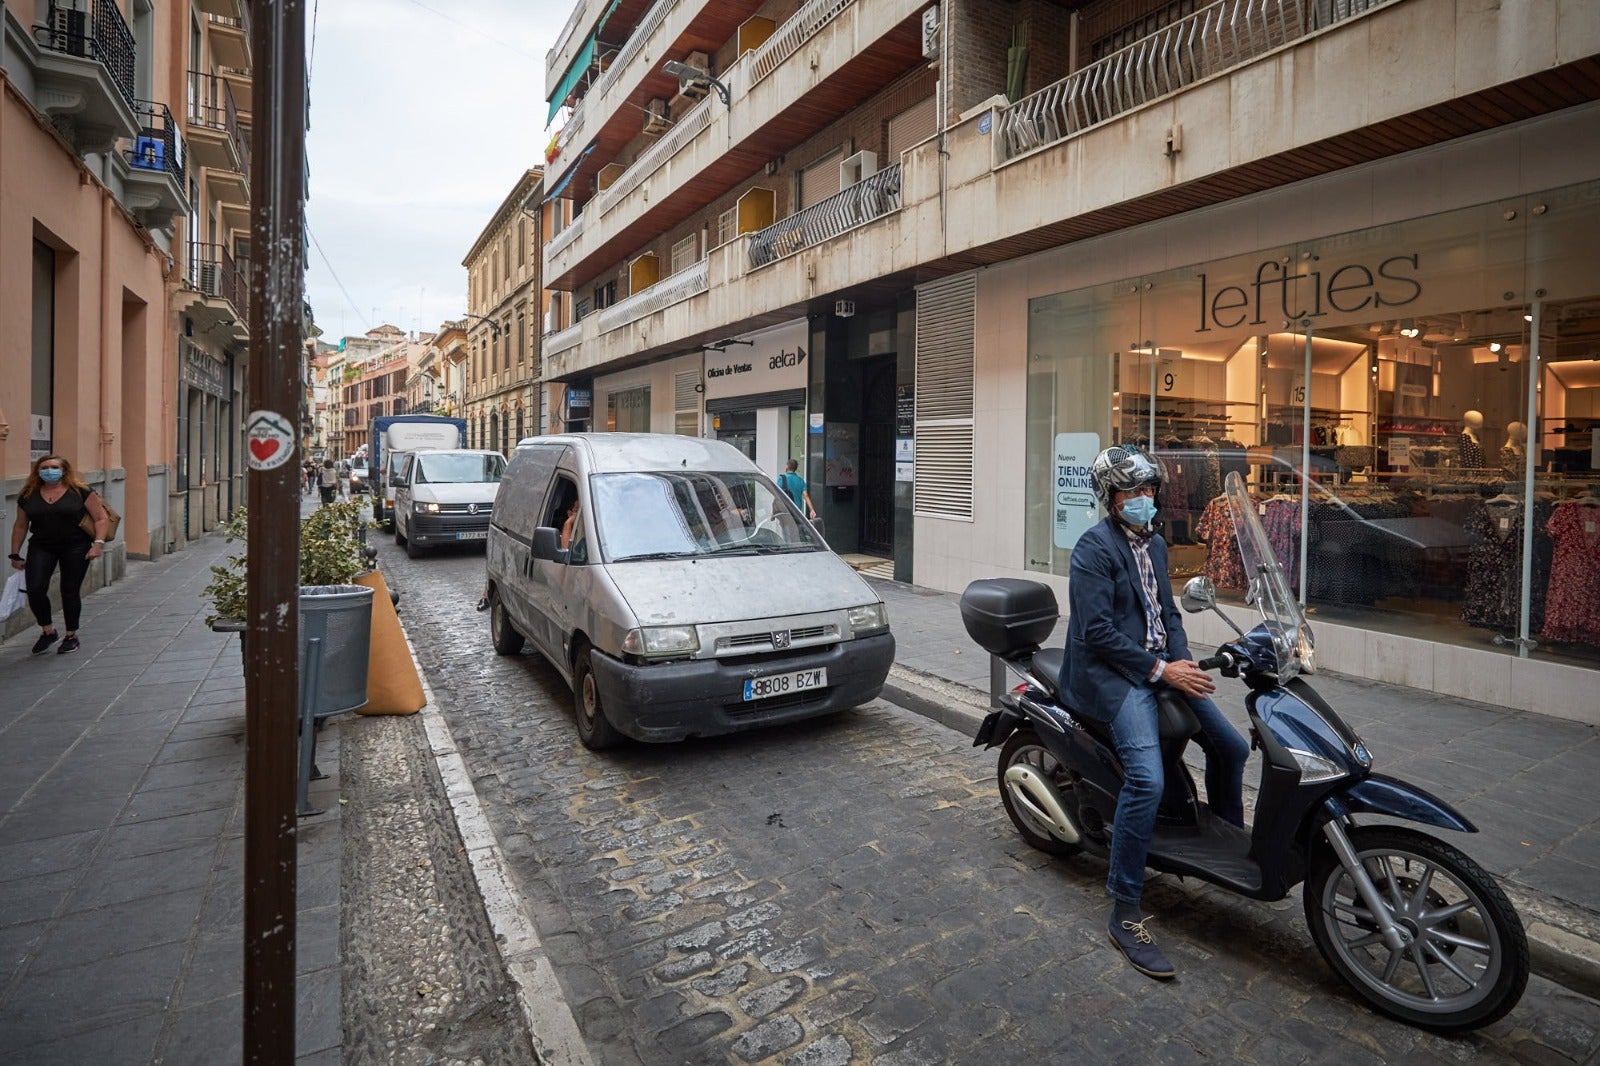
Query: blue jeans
(1139, 749)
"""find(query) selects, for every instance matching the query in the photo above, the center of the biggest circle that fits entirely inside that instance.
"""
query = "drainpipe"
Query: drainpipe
(107, 309)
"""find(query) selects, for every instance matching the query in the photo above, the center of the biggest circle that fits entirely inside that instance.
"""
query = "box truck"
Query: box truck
(393, 436)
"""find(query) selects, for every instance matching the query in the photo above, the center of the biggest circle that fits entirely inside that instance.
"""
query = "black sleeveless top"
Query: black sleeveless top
(55, 525)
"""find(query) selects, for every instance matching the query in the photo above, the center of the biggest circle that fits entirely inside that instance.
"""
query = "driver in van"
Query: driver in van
(1125, 642)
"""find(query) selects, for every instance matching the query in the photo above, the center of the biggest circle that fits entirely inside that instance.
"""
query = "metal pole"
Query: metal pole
(271, 669)
(1524, 642)
(1305, 466)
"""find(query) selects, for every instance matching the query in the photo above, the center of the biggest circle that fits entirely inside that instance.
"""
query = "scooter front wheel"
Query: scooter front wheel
(1463, 962)
(1037, 794)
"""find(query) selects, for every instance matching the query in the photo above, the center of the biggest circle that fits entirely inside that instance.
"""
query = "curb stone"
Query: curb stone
(556, 1039)
(1563, 939)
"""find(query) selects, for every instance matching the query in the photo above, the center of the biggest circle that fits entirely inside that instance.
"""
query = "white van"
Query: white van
(445, 497)
(685, 597)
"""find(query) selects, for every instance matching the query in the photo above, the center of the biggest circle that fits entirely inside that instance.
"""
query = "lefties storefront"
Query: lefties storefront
(1402, 360)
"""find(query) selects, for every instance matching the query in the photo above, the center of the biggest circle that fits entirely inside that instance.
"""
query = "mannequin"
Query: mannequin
(1514, 453)
(1469, 448)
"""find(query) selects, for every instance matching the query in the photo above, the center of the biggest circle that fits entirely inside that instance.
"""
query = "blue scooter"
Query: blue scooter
(1416, 927)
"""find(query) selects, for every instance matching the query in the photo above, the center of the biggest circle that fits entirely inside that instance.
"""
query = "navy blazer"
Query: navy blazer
(1105, 653)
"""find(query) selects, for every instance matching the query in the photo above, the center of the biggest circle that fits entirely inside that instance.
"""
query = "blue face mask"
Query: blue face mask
(50, 475)
(1138, 511)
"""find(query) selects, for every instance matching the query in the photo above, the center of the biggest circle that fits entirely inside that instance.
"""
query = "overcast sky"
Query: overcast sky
(423, 115)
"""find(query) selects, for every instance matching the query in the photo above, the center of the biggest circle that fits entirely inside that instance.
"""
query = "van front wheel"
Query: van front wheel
(594, 728)
(507, 641)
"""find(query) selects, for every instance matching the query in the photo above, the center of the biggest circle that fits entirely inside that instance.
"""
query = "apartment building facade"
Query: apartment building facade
(121, 343)
(942, 252)
(505, 303)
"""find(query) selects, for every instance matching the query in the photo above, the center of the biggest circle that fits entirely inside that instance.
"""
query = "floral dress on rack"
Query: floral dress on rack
(1572, 605)
(1224, 566)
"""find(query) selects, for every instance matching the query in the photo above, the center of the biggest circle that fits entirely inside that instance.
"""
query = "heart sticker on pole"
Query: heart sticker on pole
(271, 440)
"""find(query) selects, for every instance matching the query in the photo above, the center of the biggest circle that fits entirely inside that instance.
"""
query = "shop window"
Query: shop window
(628, 410)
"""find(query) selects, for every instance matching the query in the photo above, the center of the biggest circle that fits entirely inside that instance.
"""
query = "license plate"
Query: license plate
(473, 534)
(761, 688)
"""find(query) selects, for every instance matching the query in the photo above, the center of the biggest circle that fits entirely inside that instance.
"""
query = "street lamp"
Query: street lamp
(688, 75)
(493, 325)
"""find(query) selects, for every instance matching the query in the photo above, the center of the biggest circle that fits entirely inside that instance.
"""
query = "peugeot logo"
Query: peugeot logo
(472, 508)
(780, 638)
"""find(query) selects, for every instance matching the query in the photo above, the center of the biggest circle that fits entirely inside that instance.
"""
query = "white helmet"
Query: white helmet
(1123, 469)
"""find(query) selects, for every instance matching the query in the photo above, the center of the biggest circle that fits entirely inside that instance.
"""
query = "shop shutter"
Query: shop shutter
(820, 180)
(686, 403)
(912, 126)
(943, 423)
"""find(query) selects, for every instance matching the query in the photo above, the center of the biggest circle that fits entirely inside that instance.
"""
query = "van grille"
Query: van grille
(461, 508)
(764, 641)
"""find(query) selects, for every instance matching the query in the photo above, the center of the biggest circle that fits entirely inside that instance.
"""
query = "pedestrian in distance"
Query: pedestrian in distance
(794, 486)
(50, 511)
(328, 481)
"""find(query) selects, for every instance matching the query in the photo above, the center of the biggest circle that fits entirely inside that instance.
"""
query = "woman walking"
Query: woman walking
(49, 510)
(328, 481)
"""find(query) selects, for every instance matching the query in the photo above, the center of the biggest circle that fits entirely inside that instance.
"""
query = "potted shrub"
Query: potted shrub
(332, 554)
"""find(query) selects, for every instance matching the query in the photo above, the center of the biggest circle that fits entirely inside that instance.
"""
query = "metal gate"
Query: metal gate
(876, 464)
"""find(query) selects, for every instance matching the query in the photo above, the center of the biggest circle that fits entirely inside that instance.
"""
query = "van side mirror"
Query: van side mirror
(546, 545)
(396, 481)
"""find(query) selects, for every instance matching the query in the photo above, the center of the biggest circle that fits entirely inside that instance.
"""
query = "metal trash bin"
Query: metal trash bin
(340, 616)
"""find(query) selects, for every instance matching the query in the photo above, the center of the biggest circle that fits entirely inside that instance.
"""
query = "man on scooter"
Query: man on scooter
(1125, 641)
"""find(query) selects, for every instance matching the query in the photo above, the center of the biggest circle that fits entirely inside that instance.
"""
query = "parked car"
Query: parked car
(686, 596)
(359, 475)
(445, 496)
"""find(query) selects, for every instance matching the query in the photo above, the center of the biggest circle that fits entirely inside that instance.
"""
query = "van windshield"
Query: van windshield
(459, 469)
(682, 514)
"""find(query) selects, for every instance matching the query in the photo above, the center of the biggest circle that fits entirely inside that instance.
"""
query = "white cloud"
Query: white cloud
(424, 113)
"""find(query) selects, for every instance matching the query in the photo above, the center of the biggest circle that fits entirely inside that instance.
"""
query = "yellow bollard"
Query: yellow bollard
(392, 683)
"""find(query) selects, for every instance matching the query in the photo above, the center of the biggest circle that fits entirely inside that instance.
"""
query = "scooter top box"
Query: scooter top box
(1006, 615)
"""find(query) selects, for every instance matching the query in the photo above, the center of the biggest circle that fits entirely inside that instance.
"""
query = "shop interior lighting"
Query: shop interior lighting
(1496, 346)
(1407, 329)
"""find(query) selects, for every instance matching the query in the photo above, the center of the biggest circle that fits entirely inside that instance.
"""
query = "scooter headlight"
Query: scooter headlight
(1314, 769)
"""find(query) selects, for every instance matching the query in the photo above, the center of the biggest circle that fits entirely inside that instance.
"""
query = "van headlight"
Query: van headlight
(868, 619)
(653, 641)
(426, 508)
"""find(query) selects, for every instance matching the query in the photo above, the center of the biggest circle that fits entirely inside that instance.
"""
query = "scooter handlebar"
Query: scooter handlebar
(1213, 662)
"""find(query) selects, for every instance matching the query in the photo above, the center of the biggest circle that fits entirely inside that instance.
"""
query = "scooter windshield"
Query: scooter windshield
(1269, 586)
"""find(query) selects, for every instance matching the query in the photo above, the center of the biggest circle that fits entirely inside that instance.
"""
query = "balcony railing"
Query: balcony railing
(663, 294)
(215, 273)
(1217, 38)
(787, 39)
(158, 146)
(862, 202)
(211, 105)
(92, 31)
(562, 339)
(573, 231)
(636, 40)
(653, 158)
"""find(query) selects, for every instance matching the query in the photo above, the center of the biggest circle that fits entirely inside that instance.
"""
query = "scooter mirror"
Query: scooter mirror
(1199, 595)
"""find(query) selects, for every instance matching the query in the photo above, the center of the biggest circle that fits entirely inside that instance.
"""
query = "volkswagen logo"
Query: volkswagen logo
(472, 508)
(780, 638)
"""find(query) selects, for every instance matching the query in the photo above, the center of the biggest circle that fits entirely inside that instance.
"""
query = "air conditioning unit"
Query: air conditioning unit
(930, 33)
(655, 117)
(863, 164)
(694, 90)
(208, 278)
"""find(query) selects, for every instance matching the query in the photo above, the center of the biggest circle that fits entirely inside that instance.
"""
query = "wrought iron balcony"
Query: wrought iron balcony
(213, 115)
(867, 199)
(153, 187)
(1215, 39)
(215, 274)
(91, 31)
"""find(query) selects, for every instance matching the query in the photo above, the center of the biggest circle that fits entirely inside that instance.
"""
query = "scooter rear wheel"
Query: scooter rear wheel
(1024, 748)
(1466, 961)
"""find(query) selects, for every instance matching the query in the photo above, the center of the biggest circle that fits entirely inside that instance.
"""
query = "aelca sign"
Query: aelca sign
(774, 360)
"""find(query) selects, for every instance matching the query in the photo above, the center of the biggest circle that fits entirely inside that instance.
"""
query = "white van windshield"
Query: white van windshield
(459, 469)
(673, 514)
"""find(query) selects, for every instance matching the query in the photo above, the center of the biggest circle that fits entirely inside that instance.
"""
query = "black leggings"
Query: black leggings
(41, 564)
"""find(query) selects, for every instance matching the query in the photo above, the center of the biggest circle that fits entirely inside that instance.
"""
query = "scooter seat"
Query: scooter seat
(1174, 719)
(1046, 668)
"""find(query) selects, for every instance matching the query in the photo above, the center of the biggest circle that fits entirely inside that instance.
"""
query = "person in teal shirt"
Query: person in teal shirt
(794, 486)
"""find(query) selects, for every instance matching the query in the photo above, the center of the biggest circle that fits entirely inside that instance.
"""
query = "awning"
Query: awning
(568, 176)
(580, 67)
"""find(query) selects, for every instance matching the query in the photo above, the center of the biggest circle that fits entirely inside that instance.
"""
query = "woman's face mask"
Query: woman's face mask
(50, 474)
(1138, 511)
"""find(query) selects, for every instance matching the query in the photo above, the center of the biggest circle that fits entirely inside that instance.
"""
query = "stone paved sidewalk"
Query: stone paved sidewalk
(121, 846)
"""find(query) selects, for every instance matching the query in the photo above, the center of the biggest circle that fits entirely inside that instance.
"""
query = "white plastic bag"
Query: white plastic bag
(13, 596)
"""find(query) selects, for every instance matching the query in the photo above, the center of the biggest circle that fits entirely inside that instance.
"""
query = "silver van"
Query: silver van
(677, 590)
(444, 497)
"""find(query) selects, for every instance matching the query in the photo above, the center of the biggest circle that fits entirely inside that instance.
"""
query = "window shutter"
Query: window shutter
(944, 423)
(820, 180)
(686, 403)
(912, 126)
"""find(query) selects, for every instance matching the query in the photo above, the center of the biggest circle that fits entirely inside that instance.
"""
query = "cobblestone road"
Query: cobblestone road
(850, 891)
